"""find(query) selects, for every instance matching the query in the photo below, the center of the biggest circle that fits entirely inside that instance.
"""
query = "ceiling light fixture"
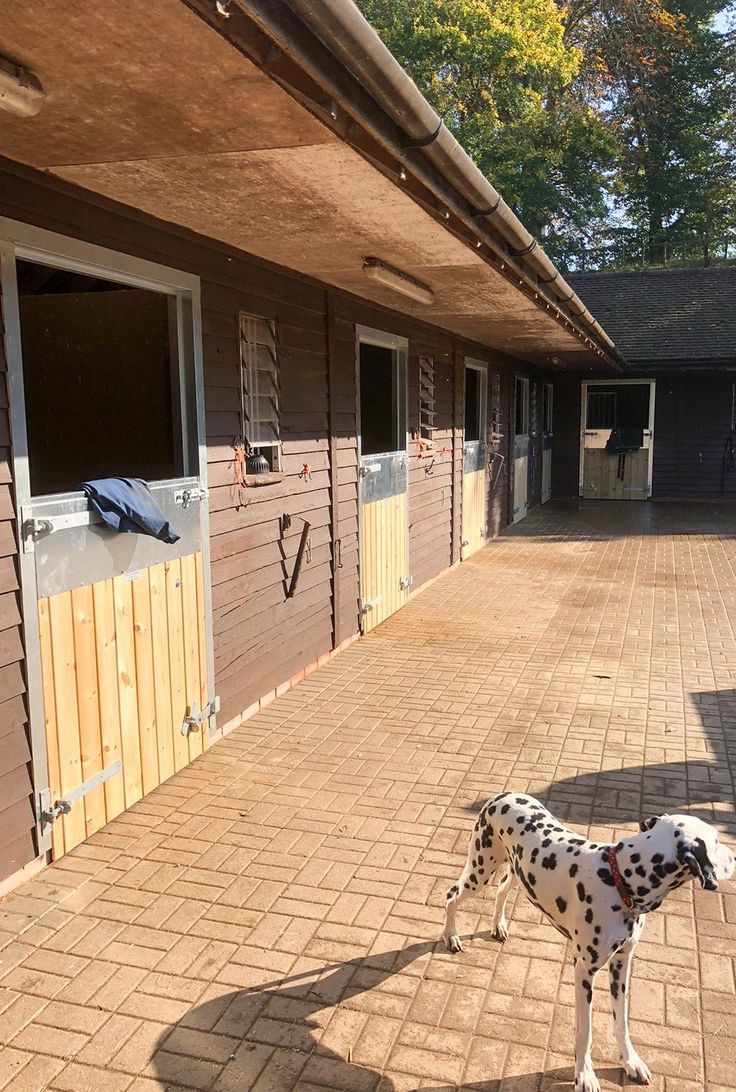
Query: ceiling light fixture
(20, 91)
(390, 277)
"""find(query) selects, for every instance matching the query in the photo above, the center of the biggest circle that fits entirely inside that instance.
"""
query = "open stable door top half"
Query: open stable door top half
(105, 381)
(383, 475)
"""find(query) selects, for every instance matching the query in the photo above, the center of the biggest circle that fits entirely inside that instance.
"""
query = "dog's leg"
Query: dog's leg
(480, 867)
(585, 1078)
(620, 972)
(500, 924)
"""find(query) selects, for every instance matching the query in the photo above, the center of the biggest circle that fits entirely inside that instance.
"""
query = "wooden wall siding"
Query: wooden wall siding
(692, 421)
(430, 471)
(123, 662)
(535, 442)
(17, 821)
(566, 438)
(261, 638)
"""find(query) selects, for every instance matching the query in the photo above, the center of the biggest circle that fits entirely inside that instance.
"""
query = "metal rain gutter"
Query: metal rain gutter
(348, 35)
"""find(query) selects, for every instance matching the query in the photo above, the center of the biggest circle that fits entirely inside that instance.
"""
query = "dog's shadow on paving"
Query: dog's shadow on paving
(268, 1037)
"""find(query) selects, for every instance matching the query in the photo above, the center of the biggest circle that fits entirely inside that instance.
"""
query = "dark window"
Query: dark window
(472, 405)
(626, 405)
(522, 407)
(547, 408)
(601, 409)
(100, 372)
(379, 416)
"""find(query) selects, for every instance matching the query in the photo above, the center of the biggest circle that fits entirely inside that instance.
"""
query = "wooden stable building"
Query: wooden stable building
(242, 260)
(676, 330)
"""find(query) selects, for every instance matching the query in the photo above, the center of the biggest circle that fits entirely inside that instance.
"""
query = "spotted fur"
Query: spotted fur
(569, 879)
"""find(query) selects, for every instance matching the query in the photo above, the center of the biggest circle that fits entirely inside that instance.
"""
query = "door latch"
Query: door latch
(33, 529)
(185, 497)
(193, 720)
(405, 583)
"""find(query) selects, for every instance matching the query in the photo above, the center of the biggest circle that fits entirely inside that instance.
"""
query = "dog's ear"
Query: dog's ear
(695, 856)
(647, 824)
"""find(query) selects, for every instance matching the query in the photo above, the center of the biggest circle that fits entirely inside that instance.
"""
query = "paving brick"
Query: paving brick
(268, 918)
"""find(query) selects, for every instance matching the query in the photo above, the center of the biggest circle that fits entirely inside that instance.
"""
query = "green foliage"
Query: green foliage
(608, 125)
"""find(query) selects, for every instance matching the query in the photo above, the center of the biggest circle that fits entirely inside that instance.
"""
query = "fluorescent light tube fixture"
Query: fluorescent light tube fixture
(20, 92)
(390, 277)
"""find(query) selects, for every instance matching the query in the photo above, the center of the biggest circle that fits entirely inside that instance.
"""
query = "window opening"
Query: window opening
(426, 398)
(259, 389)
(101, 379)
(473, 405)
(547, 409)
(522, 407)
(381, 404)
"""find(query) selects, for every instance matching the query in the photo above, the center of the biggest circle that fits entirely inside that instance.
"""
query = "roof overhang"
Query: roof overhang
(153, 106)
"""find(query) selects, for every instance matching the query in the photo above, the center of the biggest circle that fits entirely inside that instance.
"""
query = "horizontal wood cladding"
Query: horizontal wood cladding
(261, 637)
(692, 420)
(17, 822)
(256, 628)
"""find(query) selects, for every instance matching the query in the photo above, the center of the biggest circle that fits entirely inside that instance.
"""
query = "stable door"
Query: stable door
(475, 484)
(521, 450)
(616, 451)
(383, 475)
(105, 382)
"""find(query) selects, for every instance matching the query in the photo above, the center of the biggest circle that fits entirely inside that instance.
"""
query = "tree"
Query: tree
(497, 72)
(608, 125)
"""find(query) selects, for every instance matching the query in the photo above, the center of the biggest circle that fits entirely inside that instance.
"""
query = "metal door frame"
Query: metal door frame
(548, 387)
(584, 386)
(24, 241)
(399, 346)
(480, 366)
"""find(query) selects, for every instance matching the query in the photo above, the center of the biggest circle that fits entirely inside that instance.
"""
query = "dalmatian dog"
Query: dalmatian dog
(597, 896)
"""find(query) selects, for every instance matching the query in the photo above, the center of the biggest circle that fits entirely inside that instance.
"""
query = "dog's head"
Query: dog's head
(692, 843)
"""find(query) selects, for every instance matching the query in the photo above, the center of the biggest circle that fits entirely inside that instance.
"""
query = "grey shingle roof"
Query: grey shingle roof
(663, 315)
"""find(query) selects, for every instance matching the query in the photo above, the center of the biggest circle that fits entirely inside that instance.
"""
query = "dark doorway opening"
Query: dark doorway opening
(100, 374)
(379, 417)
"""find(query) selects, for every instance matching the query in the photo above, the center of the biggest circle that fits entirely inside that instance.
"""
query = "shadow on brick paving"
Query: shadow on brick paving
(702, 787)
(262, 1038)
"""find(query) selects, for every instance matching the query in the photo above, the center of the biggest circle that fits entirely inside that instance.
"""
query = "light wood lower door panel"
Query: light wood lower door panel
(123, 663)
(383, 563)
(602, 478)
(521, 486)
(474, 513)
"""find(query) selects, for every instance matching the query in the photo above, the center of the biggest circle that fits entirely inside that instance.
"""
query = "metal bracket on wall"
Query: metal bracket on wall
(196, 716)
(49, 811)
(406, 583)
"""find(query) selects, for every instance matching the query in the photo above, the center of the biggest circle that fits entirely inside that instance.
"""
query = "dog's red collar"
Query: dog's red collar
(621, 885)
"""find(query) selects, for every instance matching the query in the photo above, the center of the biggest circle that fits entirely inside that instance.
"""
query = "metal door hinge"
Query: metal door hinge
(193, 720)
(50, 810)
(465, 542)
(32, 529)
(406, 583)
(367, 607)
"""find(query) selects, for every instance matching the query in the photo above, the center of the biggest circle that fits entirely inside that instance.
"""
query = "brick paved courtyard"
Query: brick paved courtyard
(269, 918)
